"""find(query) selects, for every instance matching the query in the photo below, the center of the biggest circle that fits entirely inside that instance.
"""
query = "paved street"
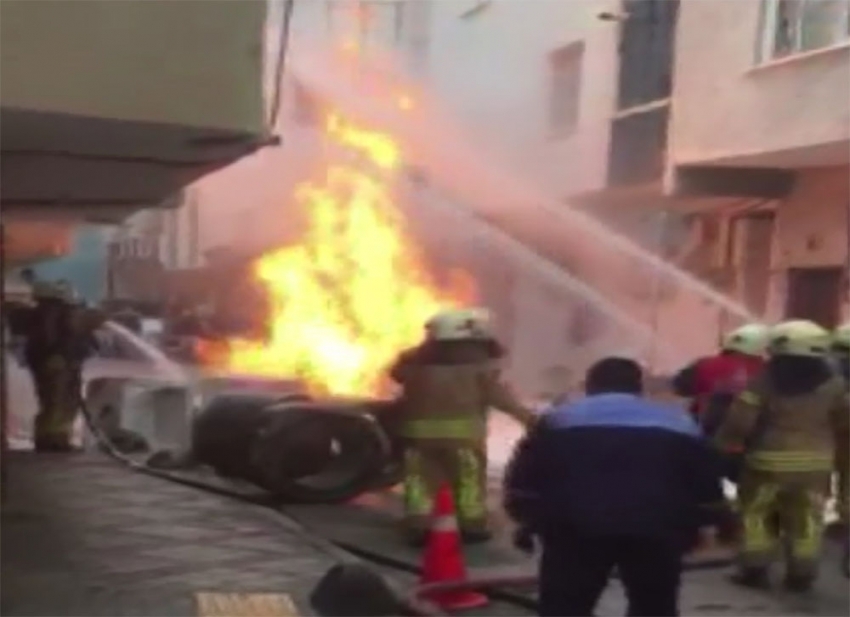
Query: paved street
(135, 545)
(84, 536)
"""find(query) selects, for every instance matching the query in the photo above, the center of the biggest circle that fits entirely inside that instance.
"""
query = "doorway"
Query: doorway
(815, 294)
(755, 259)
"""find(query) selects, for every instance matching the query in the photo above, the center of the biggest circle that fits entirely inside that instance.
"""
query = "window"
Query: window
(796, 26)
(646, 51)
(565, 89)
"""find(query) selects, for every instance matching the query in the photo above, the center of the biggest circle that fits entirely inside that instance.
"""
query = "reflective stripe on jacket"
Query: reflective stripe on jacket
(469, 428)
(790, 461)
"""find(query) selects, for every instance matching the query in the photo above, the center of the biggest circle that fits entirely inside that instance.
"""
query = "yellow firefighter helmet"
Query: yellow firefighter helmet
(749, 340)
(798, 338)
(459, 324)
(841, 337)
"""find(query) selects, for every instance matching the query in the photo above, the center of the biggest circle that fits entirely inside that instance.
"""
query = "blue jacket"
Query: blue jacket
(614, 464)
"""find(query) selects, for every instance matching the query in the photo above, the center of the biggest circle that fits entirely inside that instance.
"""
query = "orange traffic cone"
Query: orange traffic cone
(443, 562)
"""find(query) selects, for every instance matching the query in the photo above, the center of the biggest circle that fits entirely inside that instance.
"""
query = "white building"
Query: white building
(535, 82)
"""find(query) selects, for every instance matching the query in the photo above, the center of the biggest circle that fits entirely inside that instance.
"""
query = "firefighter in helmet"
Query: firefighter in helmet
(789, 417)
(59, 335)
(712, 382)
(449, 382)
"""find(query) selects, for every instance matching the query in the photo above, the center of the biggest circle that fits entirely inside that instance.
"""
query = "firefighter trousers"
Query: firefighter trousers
(786, 507)
(463, 467)
(57, 387)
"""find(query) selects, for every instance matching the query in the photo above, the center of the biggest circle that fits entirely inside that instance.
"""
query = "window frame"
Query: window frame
(574, 52)
(766, 48)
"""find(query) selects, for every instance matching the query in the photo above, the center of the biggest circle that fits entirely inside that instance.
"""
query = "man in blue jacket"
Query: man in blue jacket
(612, 481)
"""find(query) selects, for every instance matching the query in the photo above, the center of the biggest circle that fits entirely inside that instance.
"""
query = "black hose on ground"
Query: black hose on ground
(413, 603)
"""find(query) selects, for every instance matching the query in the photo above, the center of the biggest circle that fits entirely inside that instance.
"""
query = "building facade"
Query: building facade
(723, 149)
(778, 76)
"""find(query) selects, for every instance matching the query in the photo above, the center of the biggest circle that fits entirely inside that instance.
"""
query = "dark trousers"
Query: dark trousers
(575, 569)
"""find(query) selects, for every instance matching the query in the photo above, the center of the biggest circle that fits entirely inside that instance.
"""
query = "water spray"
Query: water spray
(548, 270)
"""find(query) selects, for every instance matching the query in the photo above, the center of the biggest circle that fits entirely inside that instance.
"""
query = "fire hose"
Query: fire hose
(415, 602)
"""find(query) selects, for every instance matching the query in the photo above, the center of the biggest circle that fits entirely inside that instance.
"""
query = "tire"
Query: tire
(224, 432)
(329, 477)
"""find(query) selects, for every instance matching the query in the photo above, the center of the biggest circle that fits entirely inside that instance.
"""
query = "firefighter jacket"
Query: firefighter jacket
(448, 389)
(56, 328)
(614, 464)
(789, 417)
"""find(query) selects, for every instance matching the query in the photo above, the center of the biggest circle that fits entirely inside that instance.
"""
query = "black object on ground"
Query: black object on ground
(352, 590)
(299, 450)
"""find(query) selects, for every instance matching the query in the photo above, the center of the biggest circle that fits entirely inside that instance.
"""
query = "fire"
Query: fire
(356, 290)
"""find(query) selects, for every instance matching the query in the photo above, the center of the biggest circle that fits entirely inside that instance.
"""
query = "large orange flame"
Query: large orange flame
(356, 290)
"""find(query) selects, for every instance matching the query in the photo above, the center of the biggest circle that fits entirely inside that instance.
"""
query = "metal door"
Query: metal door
(815, 294)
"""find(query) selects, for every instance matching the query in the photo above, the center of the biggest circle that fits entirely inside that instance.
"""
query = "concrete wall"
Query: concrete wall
(812, 230)
(193, 63)
(727, 103)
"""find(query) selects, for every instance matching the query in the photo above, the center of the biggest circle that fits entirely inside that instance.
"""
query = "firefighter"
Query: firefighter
(789, 417)
(713, 381)
(449, 382)
(59, 335)
(47, 352)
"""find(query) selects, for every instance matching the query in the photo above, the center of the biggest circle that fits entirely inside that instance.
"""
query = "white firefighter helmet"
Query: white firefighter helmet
(841, 337)
(798, 337)
(749, 340)
(458, 324)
